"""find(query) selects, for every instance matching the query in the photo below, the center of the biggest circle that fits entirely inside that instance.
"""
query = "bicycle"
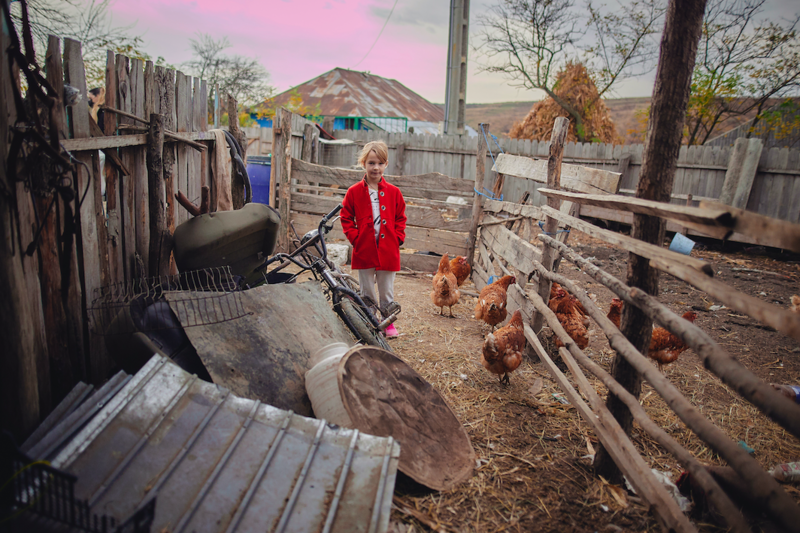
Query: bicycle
(357, 314)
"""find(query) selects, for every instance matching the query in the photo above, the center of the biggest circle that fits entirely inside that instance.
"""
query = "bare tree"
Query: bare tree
(88, 22)
(530, 41)
(742, 65)
(242, 77)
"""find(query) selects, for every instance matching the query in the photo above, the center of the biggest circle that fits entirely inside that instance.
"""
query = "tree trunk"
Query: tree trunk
(237, 185)
(662, 146)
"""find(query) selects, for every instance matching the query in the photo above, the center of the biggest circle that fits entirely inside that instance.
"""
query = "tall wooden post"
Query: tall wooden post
(19, 398)
(285, 178)
(660, 161)
(237, 185)
(477, 203)
(557, 139)
(160, 235)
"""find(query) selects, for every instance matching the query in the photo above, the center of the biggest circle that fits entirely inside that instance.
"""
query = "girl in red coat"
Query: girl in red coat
(374, 221)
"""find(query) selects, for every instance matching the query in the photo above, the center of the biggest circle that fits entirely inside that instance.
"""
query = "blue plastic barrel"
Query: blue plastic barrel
(258, 169)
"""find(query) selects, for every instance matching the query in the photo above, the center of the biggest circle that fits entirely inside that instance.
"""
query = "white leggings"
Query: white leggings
(368, 277)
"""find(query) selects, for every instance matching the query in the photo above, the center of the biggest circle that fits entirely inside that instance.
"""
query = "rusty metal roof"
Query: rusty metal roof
(350, 93)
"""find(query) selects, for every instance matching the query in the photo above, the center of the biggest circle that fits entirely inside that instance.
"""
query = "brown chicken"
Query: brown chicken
(795, 304)
(666, 347)
(491, 306)
(460, 269)
(570, 318)
(564, 303)
(445, 291)
(502, 350)
(615, 313)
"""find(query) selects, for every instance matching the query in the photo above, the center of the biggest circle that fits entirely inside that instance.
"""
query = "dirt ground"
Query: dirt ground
(534, 452)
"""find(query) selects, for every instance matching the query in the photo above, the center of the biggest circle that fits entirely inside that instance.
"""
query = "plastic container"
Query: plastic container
(259, 169)
(786, 472)
(322, 385)
(682, 245)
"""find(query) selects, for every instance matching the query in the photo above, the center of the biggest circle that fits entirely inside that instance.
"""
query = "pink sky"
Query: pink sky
(297, 40)
(301, 39)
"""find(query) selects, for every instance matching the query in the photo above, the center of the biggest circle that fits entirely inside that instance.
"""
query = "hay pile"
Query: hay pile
(574, 86)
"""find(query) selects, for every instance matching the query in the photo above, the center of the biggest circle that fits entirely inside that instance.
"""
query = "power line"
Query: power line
(379, 35)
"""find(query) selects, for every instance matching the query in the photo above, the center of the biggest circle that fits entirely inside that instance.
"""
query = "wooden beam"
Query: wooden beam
(284, 205)
(310, 173)
(505, 243)
(529, 211)
(741, 172)
(619, 447)
(573, 177)
(160, 236)
(715, 217)
(649, 251)
(765, 489)
(554, 167)
(762, 229)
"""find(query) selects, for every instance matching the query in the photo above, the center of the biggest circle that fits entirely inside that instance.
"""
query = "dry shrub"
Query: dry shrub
(574, 86)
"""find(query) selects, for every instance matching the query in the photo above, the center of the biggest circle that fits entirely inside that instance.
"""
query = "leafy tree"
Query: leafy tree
(742, 66)
(530, 41)
(294, 104)
(243, 78)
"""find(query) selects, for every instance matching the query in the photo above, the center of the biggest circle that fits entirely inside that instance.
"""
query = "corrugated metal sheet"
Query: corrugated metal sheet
(342, 92)
(217, 462)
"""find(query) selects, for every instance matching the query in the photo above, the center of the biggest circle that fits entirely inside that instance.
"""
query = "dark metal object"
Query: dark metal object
(128, 307)
(38, 488)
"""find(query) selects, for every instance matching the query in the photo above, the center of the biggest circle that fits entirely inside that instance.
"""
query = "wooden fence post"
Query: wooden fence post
(477, 202)
(160, 235)
(237, 185)
(742, 169)
(285, 178)
(660, 161)
(559, 135)
(140, 191)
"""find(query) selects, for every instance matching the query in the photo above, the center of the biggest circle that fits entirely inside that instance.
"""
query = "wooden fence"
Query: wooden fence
(112, 244)
(502, 250)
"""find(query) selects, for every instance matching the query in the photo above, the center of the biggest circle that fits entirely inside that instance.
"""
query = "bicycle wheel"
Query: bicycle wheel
(359, 323)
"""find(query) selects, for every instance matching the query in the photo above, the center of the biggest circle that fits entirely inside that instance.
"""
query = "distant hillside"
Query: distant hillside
(501, 116)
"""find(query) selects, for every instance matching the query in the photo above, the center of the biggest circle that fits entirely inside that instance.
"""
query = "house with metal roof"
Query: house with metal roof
(360, 100)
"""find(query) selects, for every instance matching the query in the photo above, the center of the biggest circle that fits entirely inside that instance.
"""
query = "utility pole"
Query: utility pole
(456, 97)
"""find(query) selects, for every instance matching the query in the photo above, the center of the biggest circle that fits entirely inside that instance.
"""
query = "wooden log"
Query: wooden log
(187, 204)
(278, 147)
(714, 357)
(94, 262)
(284, 206)
(765, 489)
(160, 234)
(645, 250)
(619, 447)
(762, 229)
(165, 91)
(729, 512)
(308, 142)
(477, 201)
(557, 139)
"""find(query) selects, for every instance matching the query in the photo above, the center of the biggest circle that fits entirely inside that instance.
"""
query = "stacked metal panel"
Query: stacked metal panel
(218, 462)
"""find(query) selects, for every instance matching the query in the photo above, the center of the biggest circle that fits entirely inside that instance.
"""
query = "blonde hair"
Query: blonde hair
(380, 149)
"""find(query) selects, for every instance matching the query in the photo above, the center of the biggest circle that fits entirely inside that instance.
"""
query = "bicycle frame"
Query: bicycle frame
(321, 267)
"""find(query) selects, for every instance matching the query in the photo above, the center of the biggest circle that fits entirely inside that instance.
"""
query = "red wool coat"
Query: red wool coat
(358, 226)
